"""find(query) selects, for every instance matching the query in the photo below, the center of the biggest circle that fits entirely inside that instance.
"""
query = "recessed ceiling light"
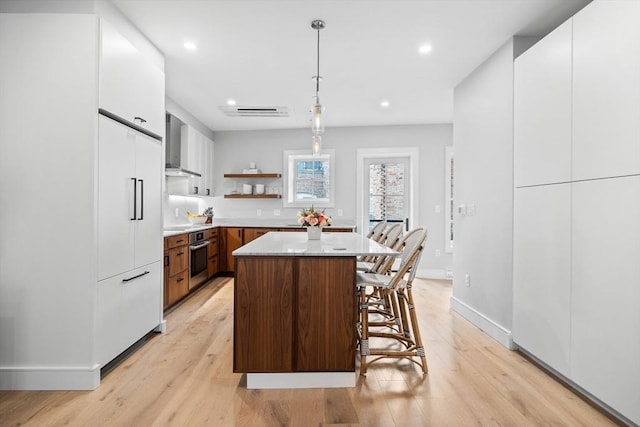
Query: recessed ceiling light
(190, 46)
(231, 102)
(425, 48)
(384, 104)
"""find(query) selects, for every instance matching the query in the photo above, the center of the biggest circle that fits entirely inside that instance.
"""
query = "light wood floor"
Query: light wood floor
(184, 378)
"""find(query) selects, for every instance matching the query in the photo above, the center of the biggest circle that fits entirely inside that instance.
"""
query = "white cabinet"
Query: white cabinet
(197, 154)
(605, 300)
(542, 111)
(576, 251)
(50, 78)
(606, 90)
(128, 308)
(129, 199)
(542, 273)
(131, 86)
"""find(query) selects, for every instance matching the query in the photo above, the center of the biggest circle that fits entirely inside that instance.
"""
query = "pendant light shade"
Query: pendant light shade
(317, 125)
(317, 143)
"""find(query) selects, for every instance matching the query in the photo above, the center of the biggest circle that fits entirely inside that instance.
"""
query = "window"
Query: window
(309, 179)
(388, 190)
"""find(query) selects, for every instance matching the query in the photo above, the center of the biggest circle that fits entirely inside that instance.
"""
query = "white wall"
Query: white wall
(483, 147)
(234, 151)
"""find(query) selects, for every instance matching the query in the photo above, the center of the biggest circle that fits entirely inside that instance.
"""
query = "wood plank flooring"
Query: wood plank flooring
(184, 378)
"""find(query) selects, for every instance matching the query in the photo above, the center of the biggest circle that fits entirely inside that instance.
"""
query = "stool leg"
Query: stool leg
(364, 321)
(416, 330)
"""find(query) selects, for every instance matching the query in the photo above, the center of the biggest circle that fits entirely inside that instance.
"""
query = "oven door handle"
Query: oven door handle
(198, 246)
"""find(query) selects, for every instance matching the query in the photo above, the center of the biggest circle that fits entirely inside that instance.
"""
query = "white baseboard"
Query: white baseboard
(426, 273)
(58, 378)
(302, 380)
(488, 326)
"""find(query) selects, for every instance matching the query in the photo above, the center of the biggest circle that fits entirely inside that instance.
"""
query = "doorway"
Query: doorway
(386, 187)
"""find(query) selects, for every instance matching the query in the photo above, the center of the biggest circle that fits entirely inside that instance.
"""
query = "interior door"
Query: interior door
(388, 188)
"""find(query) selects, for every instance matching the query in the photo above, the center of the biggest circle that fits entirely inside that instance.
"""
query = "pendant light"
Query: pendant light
(317, 125)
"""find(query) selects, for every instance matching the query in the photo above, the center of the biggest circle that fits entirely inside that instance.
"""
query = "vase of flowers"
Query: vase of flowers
(314, 220)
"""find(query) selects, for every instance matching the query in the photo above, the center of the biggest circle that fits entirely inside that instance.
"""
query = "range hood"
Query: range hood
(173, 152)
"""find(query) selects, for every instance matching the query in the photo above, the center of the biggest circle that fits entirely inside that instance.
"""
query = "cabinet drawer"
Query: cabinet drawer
(211, 234)
(213, 266)
(175, 241)
(177, 287)
(178, 260)
(129, 306)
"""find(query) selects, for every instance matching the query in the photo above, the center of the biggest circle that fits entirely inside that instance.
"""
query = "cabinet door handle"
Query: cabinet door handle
(180, 280)
(135, 277)
(166, 260)
(208, 192)
(135, 199)
(140, 119)
(195, 189)
(141, 217)
(181, 253)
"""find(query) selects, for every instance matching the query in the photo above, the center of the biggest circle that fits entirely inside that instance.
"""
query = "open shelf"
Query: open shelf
(253, 175)
(252, 196)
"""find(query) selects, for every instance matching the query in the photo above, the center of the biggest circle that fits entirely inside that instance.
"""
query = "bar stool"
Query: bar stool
(403, 329)
(391, 239)
(376, 233)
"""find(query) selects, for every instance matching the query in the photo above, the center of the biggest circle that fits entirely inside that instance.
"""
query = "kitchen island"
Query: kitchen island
(295, 309)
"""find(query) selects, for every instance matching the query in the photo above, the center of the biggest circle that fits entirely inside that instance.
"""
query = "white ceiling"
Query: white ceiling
(263, 53)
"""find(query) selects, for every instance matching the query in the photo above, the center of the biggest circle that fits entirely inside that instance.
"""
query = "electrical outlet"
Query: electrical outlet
(437, 208)
(467, 280)
(177, 212)
(276, 212)
(259, 212)
(339, 212)
(437, 252)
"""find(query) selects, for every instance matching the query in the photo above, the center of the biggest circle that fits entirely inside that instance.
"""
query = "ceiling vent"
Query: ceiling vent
(236, 111)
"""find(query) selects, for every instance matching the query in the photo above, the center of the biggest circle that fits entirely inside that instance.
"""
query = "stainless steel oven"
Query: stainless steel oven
(198, 258)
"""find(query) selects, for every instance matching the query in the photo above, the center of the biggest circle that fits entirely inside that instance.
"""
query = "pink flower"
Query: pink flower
(311, 218)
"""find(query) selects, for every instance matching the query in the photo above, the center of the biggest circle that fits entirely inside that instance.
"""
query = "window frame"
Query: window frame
(289, 161)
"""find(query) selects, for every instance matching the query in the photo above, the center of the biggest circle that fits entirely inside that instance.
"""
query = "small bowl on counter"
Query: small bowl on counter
(197, 220)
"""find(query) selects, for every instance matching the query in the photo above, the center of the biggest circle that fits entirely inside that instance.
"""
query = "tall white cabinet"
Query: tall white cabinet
(67, 172)
(576, 232)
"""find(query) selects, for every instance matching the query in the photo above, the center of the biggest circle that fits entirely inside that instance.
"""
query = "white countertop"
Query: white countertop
(275, 222)
(297, 244)
(186, 229)
(248, 222)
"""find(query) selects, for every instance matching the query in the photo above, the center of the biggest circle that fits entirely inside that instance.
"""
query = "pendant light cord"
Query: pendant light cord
(318, 66)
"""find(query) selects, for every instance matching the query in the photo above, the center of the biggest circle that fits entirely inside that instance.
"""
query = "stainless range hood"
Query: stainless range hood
(173, 153)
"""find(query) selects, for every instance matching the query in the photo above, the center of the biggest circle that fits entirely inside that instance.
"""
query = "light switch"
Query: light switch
(462, 209)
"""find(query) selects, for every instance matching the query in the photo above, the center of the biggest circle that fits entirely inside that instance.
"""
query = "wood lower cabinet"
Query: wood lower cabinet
(294, 314)
(263, 315)
(253, 233)
(213, 264)
(232, 239)
(176, 269)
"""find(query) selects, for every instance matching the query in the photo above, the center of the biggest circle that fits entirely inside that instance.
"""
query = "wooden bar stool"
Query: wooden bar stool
(402, 331)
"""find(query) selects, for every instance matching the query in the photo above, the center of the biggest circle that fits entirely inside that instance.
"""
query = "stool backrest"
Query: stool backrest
(412, 246)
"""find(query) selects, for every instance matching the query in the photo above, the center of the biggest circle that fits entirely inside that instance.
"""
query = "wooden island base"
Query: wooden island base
(295, 309)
